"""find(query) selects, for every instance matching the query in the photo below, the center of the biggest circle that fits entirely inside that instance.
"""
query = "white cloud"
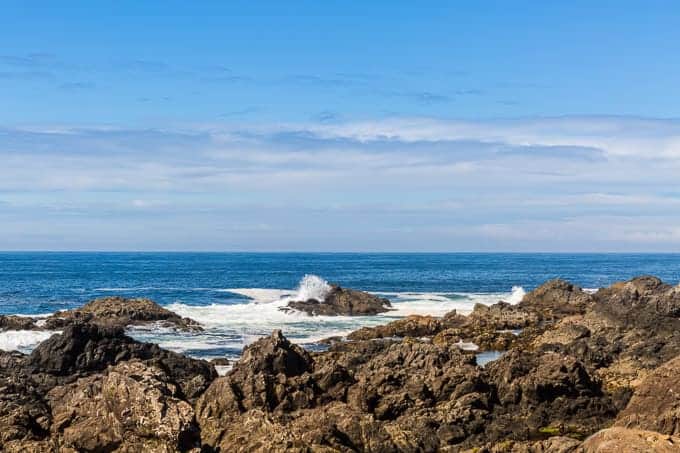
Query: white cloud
(430, 184)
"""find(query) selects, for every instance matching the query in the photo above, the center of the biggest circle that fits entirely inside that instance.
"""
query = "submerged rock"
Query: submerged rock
(121, 312)
(343, 302)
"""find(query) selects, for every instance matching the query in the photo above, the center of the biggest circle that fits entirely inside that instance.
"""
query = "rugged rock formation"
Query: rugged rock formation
(411, 326)
(132, 406)
(556, 299)
(344, 302)
(65, 395)
(120, 312)
(82, 349)
(13, 322)
(581, 363)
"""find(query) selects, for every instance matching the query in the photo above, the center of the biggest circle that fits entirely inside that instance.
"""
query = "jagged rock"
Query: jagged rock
(556, 299)
(392, 390)
(655, 405)
(83, 349)
(500, 316)
(539, 390)
(618, 440)
(345, 302)
(13, 322)
(132, 406)
(120, 312)
(411, 326)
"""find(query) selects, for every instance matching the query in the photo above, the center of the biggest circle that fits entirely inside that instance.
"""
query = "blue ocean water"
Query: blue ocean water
(237, 295)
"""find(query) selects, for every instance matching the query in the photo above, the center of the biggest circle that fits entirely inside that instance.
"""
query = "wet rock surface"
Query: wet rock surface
(343, 302)
(574, 364)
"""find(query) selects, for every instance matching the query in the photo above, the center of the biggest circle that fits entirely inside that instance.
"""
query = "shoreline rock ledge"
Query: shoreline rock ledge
(342, 302)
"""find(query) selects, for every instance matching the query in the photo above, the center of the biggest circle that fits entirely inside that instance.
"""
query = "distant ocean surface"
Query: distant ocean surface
(237, 296)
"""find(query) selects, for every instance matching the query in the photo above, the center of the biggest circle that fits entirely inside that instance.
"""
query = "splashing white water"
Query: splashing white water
(517, 295)
(23, 340)
(312, 287)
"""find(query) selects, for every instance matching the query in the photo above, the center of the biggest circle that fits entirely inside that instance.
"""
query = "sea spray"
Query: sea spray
(312, 287)
(518, 294)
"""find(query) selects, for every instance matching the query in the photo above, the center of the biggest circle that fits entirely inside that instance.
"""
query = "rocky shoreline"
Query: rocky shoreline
(579, 372)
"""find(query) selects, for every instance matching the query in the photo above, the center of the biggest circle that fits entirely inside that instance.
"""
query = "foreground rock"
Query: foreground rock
(120, 312)
(132, 406)
(343, 302)
(95, 389)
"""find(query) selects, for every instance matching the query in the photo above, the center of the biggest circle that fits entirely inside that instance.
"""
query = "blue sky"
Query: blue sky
(429, 126)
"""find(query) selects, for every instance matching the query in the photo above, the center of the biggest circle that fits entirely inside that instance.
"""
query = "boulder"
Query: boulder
(343, 302)
(121, 312)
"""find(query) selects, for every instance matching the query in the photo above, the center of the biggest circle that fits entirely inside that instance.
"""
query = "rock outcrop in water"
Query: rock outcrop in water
(343, 301)
(120, 312)
(13, 322)
(580, 372)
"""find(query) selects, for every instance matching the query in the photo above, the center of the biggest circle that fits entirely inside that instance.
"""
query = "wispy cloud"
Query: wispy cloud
(547, 183)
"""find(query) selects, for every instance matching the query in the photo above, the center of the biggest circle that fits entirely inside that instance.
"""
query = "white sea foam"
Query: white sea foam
(23, 340)
(260, 295)
(230, 327)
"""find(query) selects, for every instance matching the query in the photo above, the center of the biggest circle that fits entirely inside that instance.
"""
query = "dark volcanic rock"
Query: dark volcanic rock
(90, 408)
(540, 390)
(13, 322)
(83, 349)
(377, 395)
(120, 312)
(556, 299)
(343, 302)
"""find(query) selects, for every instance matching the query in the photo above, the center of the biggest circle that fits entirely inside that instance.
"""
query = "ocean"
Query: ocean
(237, 296)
